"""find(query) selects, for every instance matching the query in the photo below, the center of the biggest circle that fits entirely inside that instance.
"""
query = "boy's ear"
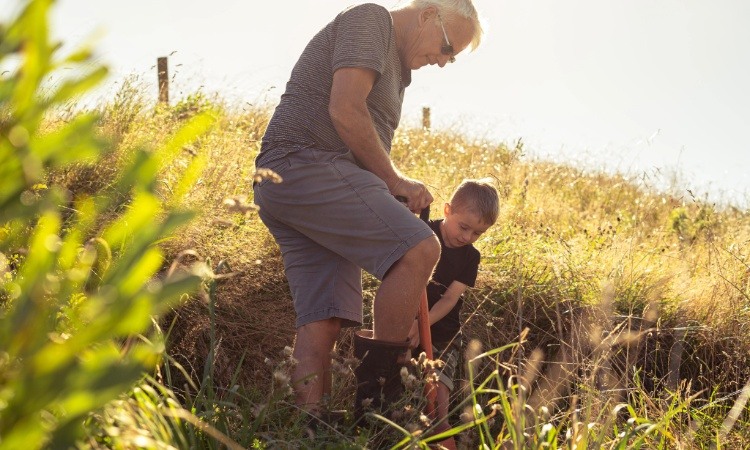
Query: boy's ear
(447, 210)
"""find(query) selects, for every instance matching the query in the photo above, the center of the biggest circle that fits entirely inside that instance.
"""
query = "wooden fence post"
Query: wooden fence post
(163, 73)
(426, 117)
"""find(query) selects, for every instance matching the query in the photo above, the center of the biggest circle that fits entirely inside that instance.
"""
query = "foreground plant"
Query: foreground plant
(75, 287)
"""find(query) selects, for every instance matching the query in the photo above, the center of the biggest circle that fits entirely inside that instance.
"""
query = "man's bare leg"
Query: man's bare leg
(397, 299)
(311, 377)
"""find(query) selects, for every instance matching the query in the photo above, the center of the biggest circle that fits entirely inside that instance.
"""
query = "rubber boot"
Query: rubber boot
(378, 374)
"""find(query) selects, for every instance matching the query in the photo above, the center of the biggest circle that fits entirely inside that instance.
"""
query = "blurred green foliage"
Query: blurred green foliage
(75, 290)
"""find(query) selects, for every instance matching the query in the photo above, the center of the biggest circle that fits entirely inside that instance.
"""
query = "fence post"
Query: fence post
(163, 73)
(426, 117)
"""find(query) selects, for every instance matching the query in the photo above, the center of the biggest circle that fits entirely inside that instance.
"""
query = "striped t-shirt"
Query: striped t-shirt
(361, 36)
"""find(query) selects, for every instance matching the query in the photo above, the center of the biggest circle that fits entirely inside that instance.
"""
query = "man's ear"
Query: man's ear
(427, 15)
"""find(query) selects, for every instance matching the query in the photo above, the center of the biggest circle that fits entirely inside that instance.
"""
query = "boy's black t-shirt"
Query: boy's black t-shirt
(456, 264)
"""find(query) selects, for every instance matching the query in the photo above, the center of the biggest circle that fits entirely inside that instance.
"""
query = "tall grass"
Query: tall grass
(606, 314)
(627, 306)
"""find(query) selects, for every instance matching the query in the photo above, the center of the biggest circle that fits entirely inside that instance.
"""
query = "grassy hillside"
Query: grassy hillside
(612, 294)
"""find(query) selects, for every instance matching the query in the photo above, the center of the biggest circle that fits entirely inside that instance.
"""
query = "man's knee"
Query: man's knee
(426, 253)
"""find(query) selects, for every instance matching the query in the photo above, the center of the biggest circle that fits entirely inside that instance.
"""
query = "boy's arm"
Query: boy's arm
(439, 309)
(446, 302)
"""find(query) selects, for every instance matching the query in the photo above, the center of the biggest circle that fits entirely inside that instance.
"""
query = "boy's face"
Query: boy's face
(461, 227)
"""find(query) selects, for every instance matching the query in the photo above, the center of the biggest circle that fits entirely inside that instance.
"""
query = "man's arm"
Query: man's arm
(352, 120)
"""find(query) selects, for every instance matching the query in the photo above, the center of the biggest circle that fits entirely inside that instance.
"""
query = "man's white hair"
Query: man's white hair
(450, 9)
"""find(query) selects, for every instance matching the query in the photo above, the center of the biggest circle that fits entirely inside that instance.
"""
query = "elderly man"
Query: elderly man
(336, 212)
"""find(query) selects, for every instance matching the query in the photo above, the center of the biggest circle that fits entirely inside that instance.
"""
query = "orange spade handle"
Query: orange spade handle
(425, 338)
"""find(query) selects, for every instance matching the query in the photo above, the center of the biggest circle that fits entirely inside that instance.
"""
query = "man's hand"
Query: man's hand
(415, 192)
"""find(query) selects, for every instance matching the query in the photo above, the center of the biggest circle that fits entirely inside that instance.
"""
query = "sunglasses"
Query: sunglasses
(447, 48)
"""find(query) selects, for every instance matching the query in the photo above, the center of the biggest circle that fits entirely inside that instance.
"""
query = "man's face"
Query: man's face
(429, 43)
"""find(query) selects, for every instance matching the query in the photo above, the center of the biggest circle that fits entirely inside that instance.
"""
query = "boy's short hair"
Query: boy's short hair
(478, 196)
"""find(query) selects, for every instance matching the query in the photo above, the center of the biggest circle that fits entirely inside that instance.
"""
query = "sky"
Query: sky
(650, 88)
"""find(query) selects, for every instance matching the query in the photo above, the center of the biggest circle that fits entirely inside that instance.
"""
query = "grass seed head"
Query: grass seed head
(240, 204)
(266, 174)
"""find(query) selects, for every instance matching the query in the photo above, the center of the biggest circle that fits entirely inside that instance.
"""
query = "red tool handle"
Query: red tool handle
(425, 339)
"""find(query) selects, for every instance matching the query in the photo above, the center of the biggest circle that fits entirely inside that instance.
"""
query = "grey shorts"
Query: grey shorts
(331, 218)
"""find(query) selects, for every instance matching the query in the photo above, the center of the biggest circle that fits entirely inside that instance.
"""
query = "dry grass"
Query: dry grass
(621, 288)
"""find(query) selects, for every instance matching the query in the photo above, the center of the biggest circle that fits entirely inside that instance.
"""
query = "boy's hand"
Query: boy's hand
(414, 334)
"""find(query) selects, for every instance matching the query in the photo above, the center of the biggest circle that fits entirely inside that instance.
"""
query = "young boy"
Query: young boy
(472, 209)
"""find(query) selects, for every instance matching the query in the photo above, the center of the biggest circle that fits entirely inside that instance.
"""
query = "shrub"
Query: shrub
(74, 292)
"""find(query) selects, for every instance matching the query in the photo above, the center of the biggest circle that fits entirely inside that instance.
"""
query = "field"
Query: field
(611, 294)
(607, 314)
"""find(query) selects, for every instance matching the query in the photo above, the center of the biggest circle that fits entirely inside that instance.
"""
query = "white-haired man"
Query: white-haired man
(336, 211)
